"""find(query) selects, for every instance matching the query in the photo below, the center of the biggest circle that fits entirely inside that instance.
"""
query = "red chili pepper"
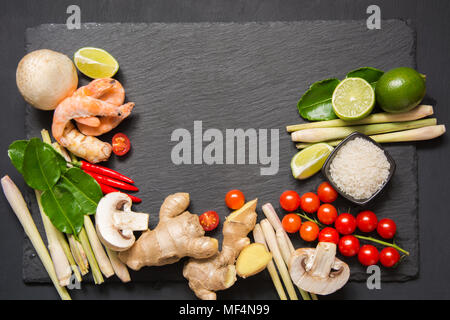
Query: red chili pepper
(103, 170)
(107, 189)
(111, 182)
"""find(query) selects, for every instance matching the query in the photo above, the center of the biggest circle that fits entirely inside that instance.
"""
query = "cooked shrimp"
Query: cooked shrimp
(86, 147)
(106, 123)
(81, 107)
(108, 90)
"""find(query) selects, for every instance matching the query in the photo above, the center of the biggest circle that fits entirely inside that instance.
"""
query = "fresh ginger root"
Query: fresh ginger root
(177, 235)
(219, 272)
(253, 259)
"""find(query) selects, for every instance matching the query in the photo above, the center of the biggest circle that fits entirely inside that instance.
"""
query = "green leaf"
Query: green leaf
(63, 211)
(85, 189)
(62, 163)
(371, 75)
(16, 152)
(315, 104)
(40, 166)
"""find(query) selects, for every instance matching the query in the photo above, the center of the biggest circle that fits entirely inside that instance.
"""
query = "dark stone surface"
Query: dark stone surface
(233, 75)
(432, 26)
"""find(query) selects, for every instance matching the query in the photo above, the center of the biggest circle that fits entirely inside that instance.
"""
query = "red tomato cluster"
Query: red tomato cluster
(345, 225)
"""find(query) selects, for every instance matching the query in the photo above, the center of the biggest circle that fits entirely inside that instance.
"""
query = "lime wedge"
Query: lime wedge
(96, 63)
(353, 99)
(310, 160)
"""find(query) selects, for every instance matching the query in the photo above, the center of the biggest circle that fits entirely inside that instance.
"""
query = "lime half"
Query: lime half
(310, 160)
(353, 99)
(96, 63)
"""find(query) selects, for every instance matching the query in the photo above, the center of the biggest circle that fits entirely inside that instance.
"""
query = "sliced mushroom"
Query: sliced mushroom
(115, 222)
(318, 270)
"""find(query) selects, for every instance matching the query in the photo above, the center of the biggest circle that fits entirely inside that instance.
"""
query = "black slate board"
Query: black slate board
(232, 75)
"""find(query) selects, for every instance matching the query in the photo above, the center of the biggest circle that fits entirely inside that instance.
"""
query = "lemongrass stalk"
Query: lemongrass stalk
(60, 261)
(419, 134)
(258, 235)
(269, 235)
(61, 151)
(419, 112)
(78, 254)
(65, 246)
(284, 242)
(96, 273)
(325, 134)
(119, 267)
(46, 138)
(17, 203)
(97, 248)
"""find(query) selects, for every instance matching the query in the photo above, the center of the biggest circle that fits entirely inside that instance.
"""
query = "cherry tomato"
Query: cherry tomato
(345, 223)
(289, 200)
(329, 234)
(389, 257)
(209, 220)
(234, 199)
(309, 202)
(326, 192)
(327, 213)
(291, 223)
(386, 228)
(120, 144)
(366, 221)
(309, 231)
(349, 246)
(368, 255)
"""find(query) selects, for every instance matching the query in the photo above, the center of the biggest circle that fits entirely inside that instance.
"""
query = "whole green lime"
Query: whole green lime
(400, 90)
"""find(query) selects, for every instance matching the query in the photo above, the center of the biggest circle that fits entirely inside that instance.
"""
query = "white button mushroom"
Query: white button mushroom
(318, 270)
(45, 78)
(115, 222)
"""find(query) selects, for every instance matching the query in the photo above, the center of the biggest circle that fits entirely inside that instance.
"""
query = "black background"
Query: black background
(429, 18)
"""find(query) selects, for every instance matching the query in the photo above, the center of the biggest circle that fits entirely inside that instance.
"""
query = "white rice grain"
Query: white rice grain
(360, 168)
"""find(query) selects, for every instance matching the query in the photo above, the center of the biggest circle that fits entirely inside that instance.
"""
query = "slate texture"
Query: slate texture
(232, 75)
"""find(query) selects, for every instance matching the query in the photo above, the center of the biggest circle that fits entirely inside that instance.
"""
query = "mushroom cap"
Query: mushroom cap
(108, 233)
(45, 78)
(314, 283)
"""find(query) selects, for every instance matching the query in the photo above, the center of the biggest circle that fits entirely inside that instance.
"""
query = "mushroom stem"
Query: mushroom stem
(129, 220)
(321, 262)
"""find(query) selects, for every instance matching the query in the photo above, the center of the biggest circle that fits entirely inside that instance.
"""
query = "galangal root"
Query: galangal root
(177, 235)
(219, 272)
(101, 98)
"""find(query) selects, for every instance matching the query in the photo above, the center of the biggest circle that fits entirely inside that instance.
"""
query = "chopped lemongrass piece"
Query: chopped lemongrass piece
(284, 243)
(120, 268)
(96, 273)
(325, 134)
(419, 112)
(259, 238)
(97, 248)
(17, 203)
(271, 240)
(78, 254)
(60, 261)
(419, 134)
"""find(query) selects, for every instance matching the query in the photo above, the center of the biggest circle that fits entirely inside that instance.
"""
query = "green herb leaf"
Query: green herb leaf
(16, 152)
(84, 188)
(315, 104)
(371, 75)
(40, 165)
(62, 209)
(62, 163)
